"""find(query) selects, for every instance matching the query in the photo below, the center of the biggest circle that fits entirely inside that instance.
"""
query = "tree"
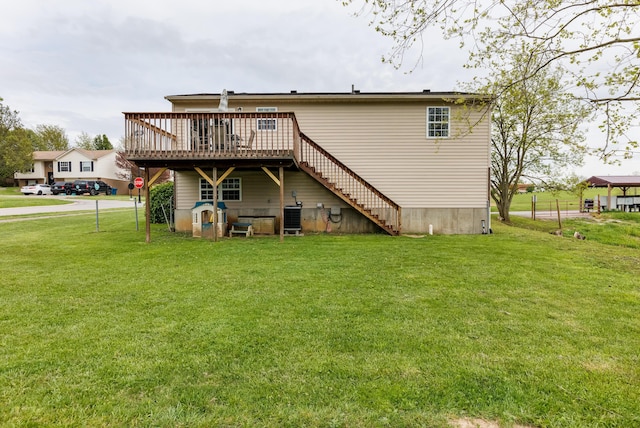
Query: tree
(101, 142)
(596, 42)
(16, 152)
(9, 119)
(535, 128)
(15, 144)
(126, 169)
(84, 141)
(50, 137)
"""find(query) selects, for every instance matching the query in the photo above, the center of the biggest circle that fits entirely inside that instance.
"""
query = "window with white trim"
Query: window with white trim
(229, 190)
(86, 166)
(438, 122)
(64, 166)
(267, 124)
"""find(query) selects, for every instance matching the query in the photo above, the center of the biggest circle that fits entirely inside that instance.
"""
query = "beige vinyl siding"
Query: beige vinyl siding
(385, 142)
(186, 190)
(258, 190)
(388, 147)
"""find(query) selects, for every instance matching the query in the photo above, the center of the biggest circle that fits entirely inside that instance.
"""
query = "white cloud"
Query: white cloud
(80, 64)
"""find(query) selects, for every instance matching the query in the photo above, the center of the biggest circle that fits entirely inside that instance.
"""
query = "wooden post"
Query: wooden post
(215, 204)
(281, 204)
(147, 205)
(534, 199)
(609, 207)
(558, 209)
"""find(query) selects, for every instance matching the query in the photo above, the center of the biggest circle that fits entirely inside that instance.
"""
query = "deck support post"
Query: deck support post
(147, 205)
(215, 205)
(281, 204)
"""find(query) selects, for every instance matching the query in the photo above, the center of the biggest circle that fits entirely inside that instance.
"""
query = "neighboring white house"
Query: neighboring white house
(73, 164)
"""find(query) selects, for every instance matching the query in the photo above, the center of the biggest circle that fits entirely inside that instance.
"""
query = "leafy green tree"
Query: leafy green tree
(16, 152)
(84, 141)
(9, 119)
(535, 128)
(596, 42)
(15, 144)
(50, 137)
(101, 142)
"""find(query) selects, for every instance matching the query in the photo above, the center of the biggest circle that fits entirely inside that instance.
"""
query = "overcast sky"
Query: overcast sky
(79, 64)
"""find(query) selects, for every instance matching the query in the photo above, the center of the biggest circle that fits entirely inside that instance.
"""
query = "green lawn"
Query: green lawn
(102, 329)
(547, 200)
(11, 197)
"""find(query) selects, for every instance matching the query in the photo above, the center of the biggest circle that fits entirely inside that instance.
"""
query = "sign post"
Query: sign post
(139, 184)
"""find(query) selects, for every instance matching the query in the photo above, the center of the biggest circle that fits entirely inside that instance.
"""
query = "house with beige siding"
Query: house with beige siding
(355, 162)
(73, 164)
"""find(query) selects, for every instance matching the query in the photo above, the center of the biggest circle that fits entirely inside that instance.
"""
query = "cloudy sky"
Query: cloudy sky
(79, 64)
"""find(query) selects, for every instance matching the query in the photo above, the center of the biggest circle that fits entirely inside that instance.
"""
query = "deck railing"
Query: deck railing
(210, 135)
(262, 136)
(349, 186)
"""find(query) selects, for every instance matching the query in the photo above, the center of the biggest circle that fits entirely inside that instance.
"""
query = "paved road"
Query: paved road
(77, 204)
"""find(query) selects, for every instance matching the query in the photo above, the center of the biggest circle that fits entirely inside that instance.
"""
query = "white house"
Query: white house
(73, 164)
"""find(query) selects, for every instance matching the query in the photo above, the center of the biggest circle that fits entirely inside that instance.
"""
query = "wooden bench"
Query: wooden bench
(241, 228)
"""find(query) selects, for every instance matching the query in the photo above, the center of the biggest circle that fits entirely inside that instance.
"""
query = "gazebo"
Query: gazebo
(623, 182)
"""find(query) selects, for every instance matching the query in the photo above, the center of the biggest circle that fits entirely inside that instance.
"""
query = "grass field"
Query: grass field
(102, 329)
(546, 201)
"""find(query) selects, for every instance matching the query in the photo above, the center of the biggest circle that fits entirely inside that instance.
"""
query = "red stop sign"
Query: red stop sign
(138, 182)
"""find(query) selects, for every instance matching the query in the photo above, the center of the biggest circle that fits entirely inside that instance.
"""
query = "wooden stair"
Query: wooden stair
(349, 186)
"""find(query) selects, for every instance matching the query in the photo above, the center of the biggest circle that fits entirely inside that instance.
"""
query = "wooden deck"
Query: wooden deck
(194, 140)
(178, 140)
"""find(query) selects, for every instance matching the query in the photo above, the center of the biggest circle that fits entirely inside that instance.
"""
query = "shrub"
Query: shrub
(161, 196)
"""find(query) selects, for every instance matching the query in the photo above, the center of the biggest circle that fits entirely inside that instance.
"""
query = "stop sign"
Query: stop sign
(138, 182)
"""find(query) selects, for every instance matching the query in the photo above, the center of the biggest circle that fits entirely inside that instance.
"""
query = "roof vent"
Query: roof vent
(354, 90)
(426, 91)
(293, 91)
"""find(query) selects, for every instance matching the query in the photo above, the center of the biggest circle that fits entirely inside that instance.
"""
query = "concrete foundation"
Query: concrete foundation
(443, 221)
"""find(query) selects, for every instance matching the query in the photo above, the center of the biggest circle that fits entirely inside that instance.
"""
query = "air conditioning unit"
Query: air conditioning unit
(292, 219)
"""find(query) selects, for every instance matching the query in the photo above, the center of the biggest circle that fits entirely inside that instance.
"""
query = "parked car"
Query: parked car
(63, 187)
(36, 189)
(93, 187)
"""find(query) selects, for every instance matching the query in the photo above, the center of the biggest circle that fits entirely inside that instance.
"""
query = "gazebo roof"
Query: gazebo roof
(614, 181)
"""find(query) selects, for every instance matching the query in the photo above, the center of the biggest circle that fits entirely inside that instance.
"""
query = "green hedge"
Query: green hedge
(160, 195)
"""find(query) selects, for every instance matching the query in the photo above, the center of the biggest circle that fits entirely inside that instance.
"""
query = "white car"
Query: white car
(36, 189)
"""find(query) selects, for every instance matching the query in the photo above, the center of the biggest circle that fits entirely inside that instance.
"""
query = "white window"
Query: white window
(267, 124)
(86, 166)
(437, 122)
(229, 190)
(206, 190)
(64, 166)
